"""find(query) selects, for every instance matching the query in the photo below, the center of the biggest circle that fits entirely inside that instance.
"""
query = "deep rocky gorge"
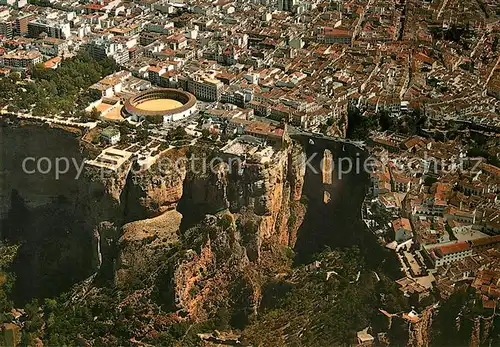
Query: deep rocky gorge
(178, 244)
(228, 223)
(231, 225)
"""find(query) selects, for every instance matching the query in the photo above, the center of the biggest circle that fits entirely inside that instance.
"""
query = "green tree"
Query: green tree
(95, 114)
(430, 180)
(13, 109)
(34, 320)
(360, 126)
(205, 133)
(386, 121)
(177, 134)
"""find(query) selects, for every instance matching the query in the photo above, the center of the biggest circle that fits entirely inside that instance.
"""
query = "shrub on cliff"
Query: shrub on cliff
(226, 220)
(307, 309)
(7, 279)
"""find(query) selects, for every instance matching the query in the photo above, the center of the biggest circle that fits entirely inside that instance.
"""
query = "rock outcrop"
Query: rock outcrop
(140, 243)
(244, 208)
(198, 236)
(481, 330)
(157, 189)
(419, 332)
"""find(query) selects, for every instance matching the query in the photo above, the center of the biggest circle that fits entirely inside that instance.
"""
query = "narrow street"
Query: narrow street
(359, 24)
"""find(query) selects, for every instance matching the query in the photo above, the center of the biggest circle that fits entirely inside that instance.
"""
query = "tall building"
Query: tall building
(204, 87)
(22, 24)
(51, 46)
(51, 28)
(7, 28)
(104, 48)
(6, 23)
(286, 5)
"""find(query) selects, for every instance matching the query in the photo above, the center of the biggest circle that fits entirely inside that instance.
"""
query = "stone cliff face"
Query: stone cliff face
(111, 199)
(297, 171)
(481, 331)
(478, 330)
(42, 212)
(258, 202)
(248, 221)
(102, 209)
(158, 189)
(419, 333)
(70, 226)
(141, 242)
(207, 272)
(36, 188)
(197, 241)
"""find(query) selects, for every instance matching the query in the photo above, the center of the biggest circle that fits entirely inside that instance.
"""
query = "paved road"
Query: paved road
(59, 120)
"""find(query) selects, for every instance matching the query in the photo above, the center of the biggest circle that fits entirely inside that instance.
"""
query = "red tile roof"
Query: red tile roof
(401, 223)
(484, 241)
(453, 248)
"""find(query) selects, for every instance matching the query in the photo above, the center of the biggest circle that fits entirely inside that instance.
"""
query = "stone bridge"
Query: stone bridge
(321, 141)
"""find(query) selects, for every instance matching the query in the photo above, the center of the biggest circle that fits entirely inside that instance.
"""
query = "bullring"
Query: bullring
(165, 105)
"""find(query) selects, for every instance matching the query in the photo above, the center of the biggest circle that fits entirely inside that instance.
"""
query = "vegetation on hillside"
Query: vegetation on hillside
(321, 305)
(7, 279)
(324, 303)
(454, 323)
(480, 150)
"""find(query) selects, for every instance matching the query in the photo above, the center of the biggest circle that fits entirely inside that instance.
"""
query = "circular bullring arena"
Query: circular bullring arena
(160, 104)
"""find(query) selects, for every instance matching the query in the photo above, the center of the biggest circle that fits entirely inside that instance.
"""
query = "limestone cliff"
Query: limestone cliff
(178, 243)
(419, 332)
(242, 243)
(102, 208)
(157, 189)
(207, 271)
(140, 243)
(296, 164)
(481, 330)
(195, 240)
(251, 215)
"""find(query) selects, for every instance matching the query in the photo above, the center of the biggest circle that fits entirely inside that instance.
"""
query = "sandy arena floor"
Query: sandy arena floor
(159, 105)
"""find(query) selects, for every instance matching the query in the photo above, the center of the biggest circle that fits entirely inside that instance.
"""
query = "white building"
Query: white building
(103, 47)
(444, 254)
(111, 135)
(204, 87)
